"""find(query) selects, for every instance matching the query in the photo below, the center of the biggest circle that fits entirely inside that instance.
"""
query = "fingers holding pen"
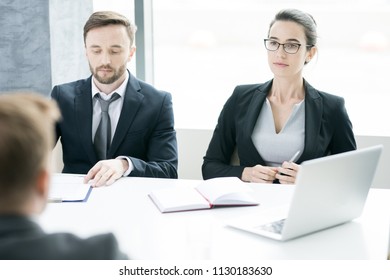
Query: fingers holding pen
(287, 173)
(259, 174)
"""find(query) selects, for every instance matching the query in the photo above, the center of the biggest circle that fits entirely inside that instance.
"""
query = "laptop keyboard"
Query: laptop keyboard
(275, 227)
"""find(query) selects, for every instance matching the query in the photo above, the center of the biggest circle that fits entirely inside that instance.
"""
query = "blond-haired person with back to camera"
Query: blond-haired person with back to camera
(26, 129)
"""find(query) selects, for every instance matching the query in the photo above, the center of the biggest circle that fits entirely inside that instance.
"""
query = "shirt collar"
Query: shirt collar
(120, 90)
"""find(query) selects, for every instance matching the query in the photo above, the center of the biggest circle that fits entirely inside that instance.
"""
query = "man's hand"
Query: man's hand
(106, 172)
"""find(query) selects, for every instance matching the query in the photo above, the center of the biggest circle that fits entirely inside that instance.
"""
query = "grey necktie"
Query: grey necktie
(102, 139)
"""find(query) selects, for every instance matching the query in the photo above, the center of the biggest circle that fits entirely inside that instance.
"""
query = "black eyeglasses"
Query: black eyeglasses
(291, 48)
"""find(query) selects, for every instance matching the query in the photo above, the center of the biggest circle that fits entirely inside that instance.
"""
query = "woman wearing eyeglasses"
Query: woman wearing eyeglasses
(274, 126)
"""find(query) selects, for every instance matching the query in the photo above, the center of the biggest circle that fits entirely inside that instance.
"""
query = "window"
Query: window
(204, 48)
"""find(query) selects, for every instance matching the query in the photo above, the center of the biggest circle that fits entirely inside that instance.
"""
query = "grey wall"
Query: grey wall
(41, 43)
(25, 45)
(67, 19)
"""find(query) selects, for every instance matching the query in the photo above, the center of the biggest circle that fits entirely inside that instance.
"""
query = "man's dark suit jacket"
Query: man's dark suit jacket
(23, 239)
(145, 132)
(328, 129)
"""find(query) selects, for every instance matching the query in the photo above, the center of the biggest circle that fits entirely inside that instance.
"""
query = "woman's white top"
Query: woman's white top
(275, 148)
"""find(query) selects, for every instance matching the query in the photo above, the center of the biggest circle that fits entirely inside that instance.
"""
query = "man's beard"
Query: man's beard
(108, 80)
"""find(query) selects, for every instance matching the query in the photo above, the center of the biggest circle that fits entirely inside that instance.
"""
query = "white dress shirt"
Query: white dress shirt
(274, 147)
(114, 110)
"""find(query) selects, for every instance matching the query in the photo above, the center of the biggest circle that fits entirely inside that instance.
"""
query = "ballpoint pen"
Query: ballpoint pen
(294, 157)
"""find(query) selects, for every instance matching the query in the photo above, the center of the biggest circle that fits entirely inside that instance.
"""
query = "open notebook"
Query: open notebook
(228, 191)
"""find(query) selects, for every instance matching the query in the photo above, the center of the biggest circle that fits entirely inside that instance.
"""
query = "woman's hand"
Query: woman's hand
(287, 173)
(259, 174)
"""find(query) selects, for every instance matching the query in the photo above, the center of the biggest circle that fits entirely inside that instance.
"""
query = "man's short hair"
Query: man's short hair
(104, 18)
(26, 137)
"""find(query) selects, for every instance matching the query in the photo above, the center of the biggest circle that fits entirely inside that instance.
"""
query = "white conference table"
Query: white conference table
(125, 209)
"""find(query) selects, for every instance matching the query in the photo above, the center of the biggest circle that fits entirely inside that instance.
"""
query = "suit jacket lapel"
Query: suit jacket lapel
(255, 106)
(313, 114)
(83, 110)
(131, 103)
(251, 118)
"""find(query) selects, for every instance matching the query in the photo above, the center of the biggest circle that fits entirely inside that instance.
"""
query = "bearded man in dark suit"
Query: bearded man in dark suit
(141, 137)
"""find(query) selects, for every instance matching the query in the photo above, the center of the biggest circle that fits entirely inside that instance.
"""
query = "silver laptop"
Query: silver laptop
(329, 191)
